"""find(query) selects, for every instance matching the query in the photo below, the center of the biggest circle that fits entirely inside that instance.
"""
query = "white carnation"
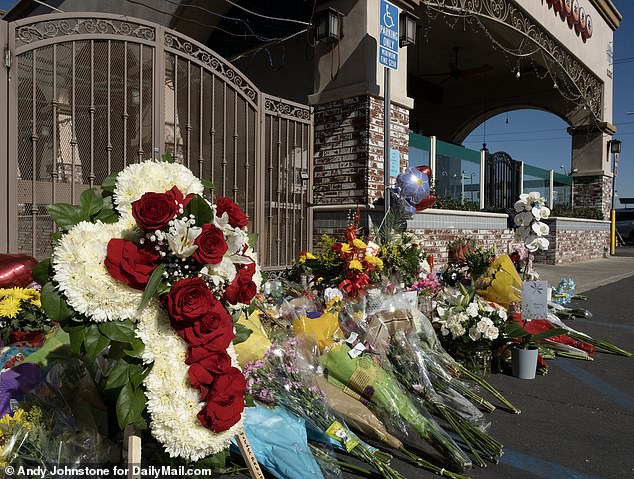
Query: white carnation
(484, 324)
(78, 262)
(151, 176)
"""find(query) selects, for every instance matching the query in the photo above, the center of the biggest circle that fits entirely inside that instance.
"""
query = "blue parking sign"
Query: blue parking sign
(388, 35)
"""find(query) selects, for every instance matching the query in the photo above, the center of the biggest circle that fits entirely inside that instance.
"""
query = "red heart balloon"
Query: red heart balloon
(16, 270)
(425, 202)
(426, 170)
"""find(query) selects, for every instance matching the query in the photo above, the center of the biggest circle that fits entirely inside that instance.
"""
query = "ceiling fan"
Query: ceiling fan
(458, 73)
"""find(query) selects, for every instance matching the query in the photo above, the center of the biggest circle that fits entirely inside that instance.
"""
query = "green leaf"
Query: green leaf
(94, 341)
(130, 405)
(207, 184)
(549, 333)
(118, 376)
(136, 349)
(90, 202)
(201, 210)
(514, 330)
(253, 239)
(122, 331)
(242, 333)
(65, 215)
(138, 373)
(76, 335)
(109, 182)
(55, 237)
(54, 304)
(167, 157)
(41, 271)
(216, 461)
(248, 401)
(107, 215)
(152, 286)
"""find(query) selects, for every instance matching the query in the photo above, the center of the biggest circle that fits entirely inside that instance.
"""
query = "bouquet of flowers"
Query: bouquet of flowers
(21, 314)
(531, 210)
(278, 379)
(149, 273)
(469, 319)
(351, 265)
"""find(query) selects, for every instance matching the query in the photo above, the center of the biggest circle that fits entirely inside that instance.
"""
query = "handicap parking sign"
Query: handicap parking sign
(388, 35)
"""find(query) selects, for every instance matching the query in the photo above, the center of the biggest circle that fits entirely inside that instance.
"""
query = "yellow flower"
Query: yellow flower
(9, 307)
(346, 248)
(373, 260)
(355, 264)
(309, 255)
(305, 256)
(359, 244)
(20, 293)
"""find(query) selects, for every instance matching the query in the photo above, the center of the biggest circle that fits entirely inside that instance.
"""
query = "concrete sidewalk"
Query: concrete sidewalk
(591, 274)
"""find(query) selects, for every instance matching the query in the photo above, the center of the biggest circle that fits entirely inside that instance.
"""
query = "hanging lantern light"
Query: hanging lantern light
(329, 25)
(407, 28)
(567, 10)
(558, 5)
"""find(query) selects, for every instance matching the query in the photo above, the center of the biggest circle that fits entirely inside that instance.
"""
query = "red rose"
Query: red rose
(216, 362)
(190, 300)
(225, 401)
(200, 378)
(127, 262)
(237, 218)
(217, 339)
(153, 211)
(178, 197)
(242, 289)
(211, 245)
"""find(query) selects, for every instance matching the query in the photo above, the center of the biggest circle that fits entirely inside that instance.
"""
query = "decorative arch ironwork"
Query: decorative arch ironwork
(589, 86)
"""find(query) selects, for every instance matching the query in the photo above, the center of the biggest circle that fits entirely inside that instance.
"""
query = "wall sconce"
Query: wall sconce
(407, 28)
(615, 146)
(329, 25)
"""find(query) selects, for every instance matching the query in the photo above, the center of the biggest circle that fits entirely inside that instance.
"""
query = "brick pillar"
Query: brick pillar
(593, 192)
(348, 160)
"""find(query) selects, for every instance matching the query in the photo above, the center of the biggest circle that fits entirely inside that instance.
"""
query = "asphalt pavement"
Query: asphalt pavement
(577, 422)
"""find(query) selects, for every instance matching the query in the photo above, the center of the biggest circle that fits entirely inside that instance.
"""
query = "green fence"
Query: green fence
(457, 174)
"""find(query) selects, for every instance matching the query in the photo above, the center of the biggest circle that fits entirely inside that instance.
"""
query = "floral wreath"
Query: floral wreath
(153, 269)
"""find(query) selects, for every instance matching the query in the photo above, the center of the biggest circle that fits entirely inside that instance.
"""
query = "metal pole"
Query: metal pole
(483, 159)
(612, 210)
(551, 189)
(386, 139)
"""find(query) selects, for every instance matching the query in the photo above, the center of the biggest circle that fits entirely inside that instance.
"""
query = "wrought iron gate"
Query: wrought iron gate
(89, 93)
(503, 177)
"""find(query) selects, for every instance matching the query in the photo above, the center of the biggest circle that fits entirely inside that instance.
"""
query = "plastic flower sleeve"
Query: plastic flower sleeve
(279, 380)
(363, 377)
(279, 442)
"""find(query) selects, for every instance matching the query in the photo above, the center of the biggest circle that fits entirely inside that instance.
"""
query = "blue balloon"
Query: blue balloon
(414, 185)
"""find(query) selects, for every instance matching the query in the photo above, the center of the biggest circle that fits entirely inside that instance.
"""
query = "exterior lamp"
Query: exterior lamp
(407, 28)
(615, 146)
(329, 25)
(615, 149)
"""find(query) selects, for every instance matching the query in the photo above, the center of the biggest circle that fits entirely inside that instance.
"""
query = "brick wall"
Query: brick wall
(573, 241)
(593, 192)
(348, 158)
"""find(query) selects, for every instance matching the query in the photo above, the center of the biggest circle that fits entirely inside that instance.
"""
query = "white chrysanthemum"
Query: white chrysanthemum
(457, 329)
(78, 262)
(540, 229)
(151, 176)
(171, 401)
